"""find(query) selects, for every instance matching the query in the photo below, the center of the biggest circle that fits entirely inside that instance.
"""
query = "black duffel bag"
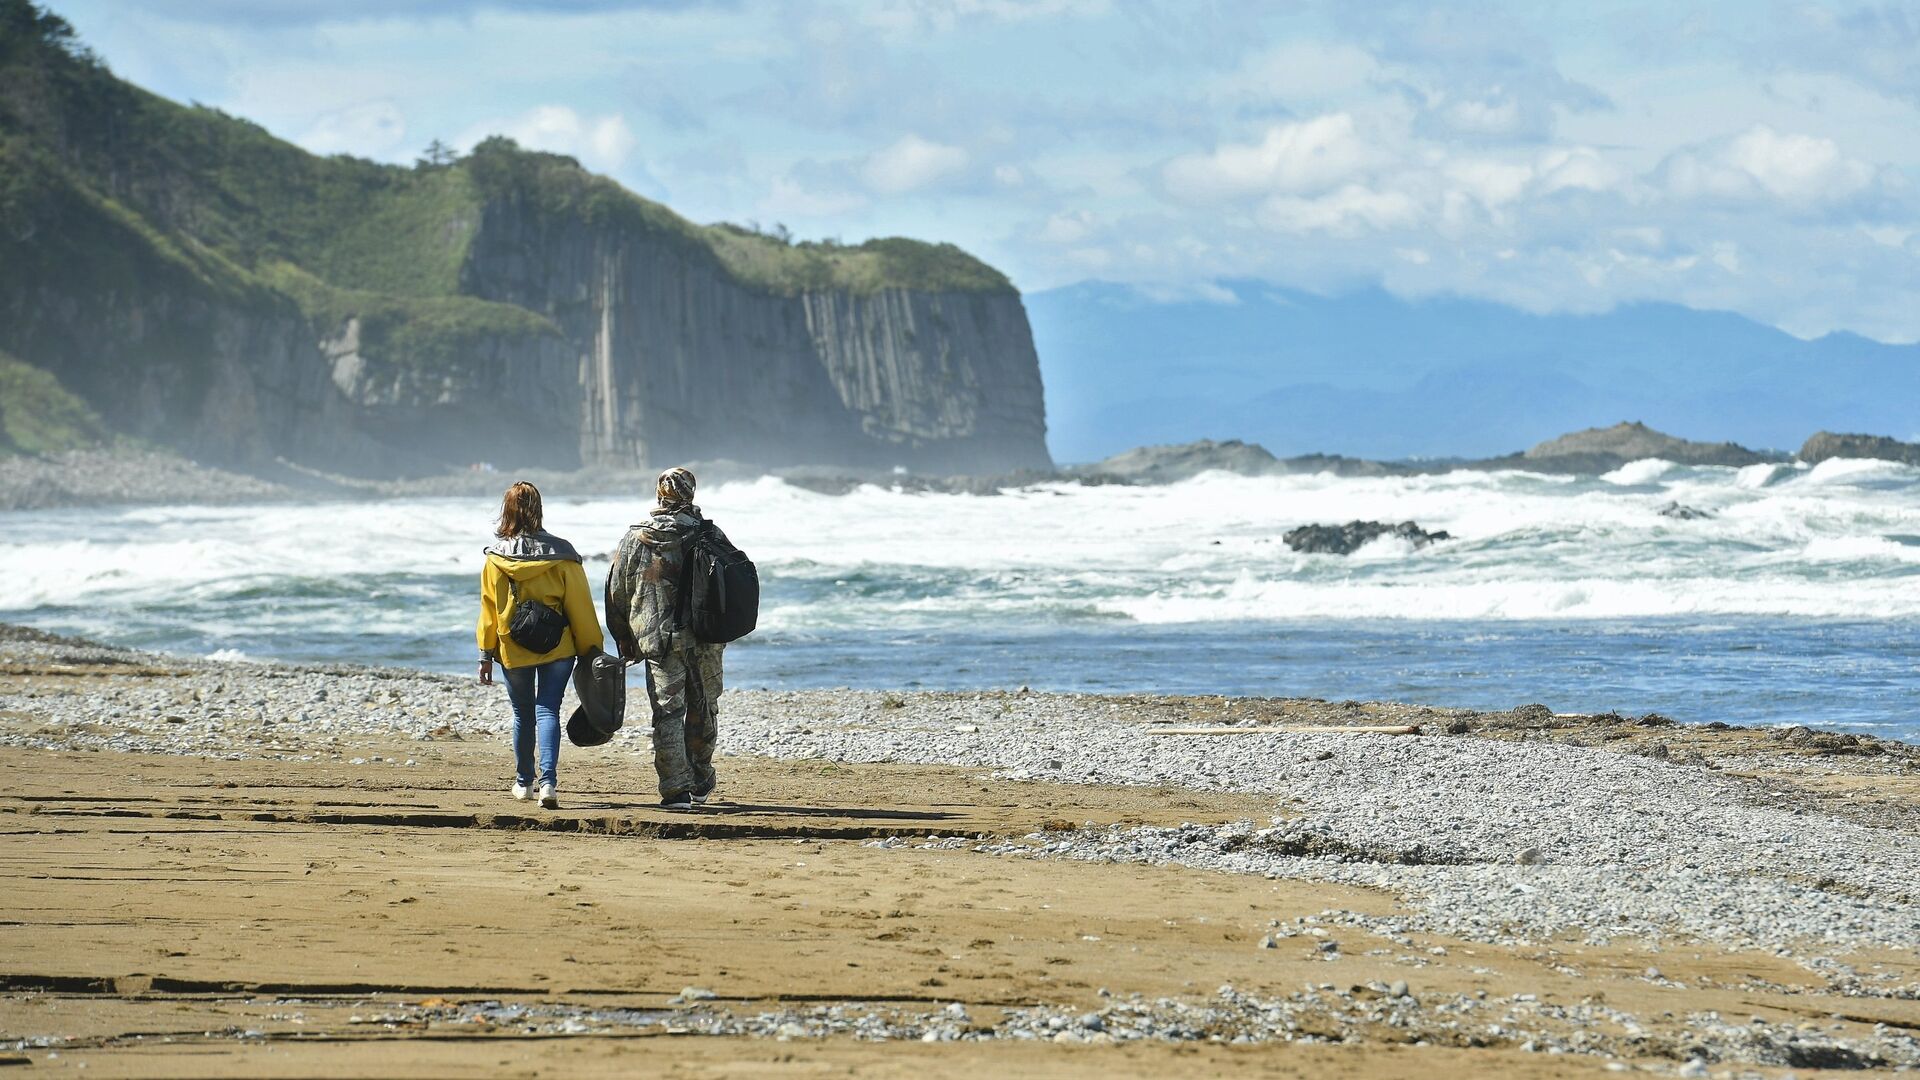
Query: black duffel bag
(533, 625)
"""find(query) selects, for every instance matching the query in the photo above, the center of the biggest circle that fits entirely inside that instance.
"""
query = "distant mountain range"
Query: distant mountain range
(1370, 375)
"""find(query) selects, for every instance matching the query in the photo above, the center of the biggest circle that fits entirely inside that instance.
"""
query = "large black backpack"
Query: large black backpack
(719, 588)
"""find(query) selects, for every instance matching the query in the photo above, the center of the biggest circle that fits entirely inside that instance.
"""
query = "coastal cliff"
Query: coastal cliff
(204, 286)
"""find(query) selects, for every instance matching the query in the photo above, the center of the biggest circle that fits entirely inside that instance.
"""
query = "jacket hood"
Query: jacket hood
(667, 526)
(528, 556)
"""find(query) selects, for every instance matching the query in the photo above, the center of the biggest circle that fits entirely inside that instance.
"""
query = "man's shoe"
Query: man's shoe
(700, 797)
(547, 798)
(682, 801)
(521, 791)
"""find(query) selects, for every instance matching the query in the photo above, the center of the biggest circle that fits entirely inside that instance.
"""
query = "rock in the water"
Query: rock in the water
(1164, 464)
(1626, 442)
(1682, 512)
(1826, 444)
(1348, 538)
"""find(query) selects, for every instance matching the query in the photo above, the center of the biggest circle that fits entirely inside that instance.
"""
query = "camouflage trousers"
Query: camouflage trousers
(686, 717)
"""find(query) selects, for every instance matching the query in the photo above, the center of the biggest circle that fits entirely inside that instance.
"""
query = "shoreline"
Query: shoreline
(981, 870)
(105, 477)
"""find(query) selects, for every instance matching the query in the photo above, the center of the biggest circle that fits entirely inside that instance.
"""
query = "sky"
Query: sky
(1754, 156)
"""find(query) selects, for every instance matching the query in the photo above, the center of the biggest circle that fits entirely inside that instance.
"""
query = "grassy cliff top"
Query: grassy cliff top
(39, 416)
(554, 184)
(202, 179)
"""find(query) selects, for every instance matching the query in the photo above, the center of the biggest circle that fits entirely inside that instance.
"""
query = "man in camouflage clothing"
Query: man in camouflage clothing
(644, 612)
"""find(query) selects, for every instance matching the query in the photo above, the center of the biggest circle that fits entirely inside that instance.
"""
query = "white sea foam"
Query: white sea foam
(1643, 471)
(1809, 543)
(1860, 470)
(1759, 476)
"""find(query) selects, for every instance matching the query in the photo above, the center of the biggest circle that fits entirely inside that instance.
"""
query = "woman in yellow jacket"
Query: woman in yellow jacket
(527, 564)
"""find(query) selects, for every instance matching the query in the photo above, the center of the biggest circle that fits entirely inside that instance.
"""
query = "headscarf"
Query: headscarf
(675, 489)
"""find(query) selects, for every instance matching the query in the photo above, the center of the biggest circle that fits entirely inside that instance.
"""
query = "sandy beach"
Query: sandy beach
(250, 869)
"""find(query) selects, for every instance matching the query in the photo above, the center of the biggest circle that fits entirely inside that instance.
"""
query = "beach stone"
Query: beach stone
(1532, 856)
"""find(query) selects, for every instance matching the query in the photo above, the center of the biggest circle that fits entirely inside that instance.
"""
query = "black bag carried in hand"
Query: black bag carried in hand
(719, 588)
(533, 625)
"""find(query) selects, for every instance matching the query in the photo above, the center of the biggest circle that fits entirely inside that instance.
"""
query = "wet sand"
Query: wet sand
(176, 916)
(319, 906)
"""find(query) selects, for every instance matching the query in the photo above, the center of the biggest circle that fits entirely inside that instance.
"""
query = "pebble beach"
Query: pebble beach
(1515, 830)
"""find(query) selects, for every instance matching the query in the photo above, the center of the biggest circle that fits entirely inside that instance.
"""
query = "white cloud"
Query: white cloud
(374, 129)
(792, 198)
(1301, 70)
(1577, 168)
(1068, 227)
(1499, 116)
(1187, 292)
(1351, 210)
(1493, 183)
(1760, 163)
(902, 17)
(911, 163)
(1297, 158)
(602, 143)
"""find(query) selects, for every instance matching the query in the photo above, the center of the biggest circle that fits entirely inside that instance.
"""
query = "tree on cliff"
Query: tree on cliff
(437, 155)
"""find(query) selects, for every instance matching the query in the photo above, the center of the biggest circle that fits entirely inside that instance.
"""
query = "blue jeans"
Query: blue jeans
(535, 693)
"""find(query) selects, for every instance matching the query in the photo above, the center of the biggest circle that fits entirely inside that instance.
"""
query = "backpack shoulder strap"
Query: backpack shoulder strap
(689, 557)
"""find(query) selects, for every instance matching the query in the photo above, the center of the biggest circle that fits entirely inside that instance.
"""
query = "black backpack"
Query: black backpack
(533, 625)
(719, 588)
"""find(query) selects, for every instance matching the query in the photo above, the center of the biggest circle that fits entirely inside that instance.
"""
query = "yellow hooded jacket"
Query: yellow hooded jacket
(544, 568)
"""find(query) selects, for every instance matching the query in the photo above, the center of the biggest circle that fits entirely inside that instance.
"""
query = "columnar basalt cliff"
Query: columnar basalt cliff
(680, 359)
(203, 285)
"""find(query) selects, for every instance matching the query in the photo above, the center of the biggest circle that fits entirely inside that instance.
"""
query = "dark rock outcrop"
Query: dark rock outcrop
(1635, 441)
(1164, 464)
(1682, 512)
(1339, 465)
(1827, 444)
(1348, 538)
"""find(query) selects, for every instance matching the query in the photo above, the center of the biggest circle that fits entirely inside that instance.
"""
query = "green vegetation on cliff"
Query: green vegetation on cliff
(201, 284)
(431, 333)
(39, 416)
(222, 198)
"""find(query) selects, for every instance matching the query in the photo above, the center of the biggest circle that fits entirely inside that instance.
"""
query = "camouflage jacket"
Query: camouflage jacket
(643, 587)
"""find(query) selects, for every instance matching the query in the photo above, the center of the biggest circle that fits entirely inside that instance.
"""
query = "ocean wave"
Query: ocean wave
(1514, 600)
(1643, 471)
(1860, 470)
(1801, 542)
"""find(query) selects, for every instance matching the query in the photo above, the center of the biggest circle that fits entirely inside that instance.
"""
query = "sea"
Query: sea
(1795, 600)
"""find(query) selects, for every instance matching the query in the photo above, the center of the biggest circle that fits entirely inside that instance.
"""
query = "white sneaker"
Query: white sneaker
(547, 798)
(521, 791)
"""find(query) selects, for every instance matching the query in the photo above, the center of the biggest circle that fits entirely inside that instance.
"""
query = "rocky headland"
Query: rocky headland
(1826, 444)
(198, 286)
